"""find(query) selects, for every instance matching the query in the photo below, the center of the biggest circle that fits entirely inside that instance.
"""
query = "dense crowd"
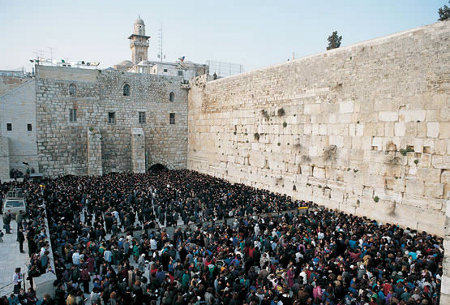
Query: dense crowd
(109, 248)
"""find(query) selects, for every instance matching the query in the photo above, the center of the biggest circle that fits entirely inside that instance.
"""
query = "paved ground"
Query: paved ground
(10, 258)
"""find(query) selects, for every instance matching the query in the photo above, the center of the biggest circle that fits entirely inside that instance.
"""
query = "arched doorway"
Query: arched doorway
(158, 167)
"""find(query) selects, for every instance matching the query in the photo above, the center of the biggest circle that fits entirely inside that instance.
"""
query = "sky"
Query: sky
(254, 33)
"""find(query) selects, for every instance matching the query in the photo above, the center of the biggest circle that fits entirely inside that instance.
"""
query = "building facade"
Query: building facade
(67, 120)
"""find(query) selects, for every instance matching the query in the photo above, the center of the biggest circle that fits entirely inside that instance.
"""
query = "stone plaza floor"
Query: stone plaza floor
(11, 258)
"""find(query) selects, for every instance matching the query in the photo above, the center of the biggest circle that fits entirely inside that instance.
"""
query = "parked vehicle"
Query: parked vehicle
(14, 202)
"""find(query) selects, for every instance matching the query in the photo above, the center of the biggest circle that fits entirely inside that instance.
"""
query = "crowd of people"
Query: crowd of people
(180, 237)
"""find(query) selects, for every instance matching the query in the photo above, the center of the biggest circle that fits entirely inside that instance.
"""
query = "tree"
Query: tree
(444, 13)
(334, 41)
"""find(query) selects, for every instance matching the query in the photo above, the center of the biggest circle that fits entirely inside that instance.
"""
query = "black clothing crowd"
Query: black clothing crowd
(224, 244)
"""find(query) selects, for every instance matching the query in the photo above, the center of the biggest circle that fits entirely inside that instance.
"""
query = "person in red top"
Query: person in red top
(386, 287)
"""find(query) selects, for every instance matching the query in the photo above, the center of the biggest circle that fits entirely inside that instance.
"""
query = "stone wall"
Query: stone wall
(4, 158)
(94, 146)
(364, 129)
(138, 150)
(11, 80)
(18, 108)
(62, 143)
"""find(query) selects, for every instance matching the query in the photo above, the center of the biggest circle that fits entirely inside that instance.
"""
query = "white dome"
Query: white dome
(125, 63)
(139, 21)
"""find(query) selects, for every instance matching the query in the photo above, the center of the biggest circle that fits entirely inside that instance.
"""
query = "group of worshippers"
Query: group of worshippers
(109, 248)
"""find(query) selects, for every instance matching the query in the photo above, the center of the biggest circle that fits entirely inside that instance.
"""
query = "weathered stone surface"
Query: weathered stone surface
(353, 121)
(94, 146)
(63, 144)
(138, 150)
(4, 158)
(18, 108)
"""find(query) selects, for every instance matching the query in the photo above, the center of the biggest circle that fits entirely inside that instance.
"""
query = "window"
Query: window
(9, 126)
(72, 90)
(111, 117)
(73, 115)
(180, 73)
(141, 117)
(165, 70)
(171, 96)
(29, 127)
(126, 90)
(172, 118)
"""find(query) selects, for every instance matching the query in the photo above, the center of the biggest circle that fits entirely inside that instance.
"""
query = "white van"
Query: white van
(14, 202)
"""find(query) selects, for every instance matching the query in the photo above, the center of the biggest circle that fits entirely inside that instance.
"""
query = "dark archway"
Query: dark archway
(157, 168)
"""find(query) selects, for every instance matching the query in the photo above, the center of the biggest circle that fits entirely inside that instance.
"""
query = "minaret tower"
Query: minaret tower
(139, 42)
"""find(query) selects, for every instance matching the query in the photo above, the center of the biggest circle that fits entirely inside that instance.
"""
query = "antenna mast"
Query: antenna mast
(160, 36)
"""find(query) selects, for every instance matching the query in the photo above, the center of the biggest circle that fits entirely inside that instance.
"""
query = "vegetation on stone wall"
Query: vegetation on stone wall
(406, 150)
(281, 112)
(265, 114)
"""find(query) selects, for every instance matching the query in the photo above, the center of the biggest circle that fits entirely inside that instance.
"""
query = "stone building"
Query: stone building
(18, 123)
(140, 64)
(66, 120)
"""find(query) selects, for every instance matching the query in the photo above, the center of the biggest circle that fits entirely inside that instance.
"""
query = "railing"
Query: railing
(43, 284)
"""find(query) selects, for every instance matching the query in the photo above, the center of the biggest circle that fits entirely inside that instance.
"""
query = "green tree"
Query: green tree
(444, 13)
(334, 41)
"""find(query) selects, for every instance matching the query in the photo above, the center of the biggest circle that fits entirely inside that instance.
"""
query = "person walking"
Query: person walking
(19, 219)
(6, 222)
(20, 239)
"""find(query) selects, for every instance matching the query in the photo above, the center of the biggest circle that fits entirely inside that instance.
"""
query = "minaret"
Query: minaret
(139, 42)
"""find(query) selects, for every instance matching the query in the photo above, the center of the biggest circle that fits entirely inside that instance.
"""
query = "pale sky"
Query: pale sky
(254, 33)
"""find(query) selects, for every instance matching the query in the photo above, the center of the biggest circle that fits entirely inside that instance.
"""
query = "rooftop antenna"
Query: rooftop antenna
(38, 53)
(160, 36)
(51, 52)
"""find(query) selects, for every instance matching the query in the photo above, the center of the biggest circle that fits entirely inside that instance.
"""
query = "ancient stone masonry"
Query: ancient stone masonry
(364, 129)
(138, 150)
(18, 122)
(98, 100)
(94, 139)
(4, 158)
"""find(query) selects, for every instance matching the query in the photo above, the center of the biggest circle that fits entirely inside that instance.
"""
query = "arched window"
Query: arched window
(72, 90)
(172, 96)
(126, 90)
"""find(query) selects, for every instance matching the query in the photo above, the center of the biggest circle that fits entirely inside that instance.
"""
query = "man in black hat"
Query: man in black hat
(20, 239)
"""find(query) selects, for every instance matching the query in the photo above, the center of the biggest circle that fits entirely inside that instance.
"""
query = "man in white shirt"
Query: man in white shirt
(153, 244)
(107, 256)
(17, 280)
(76, 258)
